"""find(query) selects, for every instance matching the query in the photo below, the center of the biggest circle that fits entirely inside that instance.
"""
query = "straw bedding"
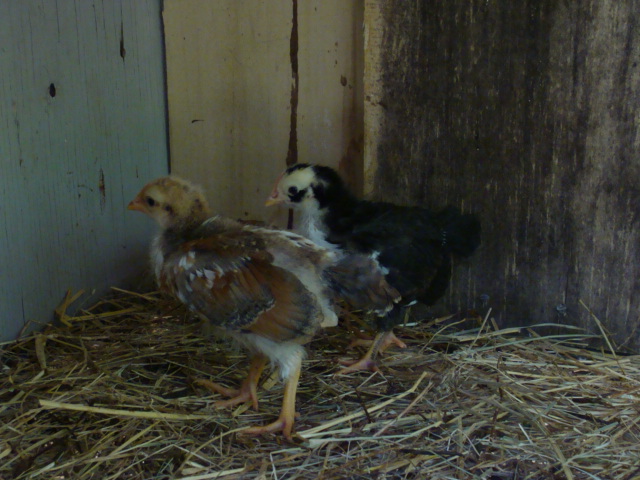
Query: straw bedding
(110, 394)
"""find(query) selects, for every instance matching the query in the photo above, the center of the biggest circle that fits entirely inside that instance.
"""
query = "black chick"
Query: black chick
(413, 244)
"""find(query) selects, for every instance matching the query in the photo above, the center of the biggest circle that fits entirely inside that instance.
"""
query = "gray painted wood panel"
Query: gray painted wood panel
(82, 128)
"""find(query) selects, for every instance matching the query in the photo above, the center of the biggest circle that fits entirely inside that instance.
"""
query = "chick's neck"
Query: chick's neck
(196, 215)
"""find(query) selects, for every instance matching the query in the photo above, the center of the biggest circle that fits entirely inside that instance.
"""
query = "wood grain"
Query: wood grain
(83, 128)
(527, 113)
(229, 76)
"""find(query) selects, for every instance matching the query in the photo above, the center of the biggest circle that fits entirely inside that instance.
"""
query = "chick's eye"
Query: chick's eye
(150, 201)
(293, 190)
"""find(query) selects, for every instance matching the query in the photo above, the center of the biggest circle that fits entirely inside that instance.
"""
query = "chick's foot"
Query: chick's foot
(247, 391)
(382, 341)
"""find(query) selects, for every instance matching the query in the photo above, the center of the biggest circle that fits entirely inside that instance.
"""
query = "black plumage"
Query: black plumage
(414, 244)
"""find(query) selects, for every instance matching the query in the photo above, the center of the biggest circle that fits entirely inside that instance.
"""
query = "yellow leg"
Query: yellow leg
(285, 421)
(248, 389)
(368, 361)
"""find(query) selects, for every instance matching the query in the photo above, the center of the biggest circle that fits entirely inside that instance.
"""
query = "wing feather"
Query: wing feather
(236, 286)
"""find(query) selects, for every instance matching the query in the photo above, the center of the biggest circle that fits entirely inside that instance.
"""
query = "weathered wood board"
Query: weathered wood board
(231, 90)
(529, 114)
(83, 128)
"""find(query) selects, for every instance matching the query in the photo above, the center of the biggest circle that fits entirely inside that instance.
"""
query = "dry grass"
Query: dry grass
(109, 395)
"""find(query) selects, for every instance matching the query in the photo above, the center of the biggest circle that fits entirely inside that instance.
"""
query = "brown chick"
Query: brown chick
(269, 290)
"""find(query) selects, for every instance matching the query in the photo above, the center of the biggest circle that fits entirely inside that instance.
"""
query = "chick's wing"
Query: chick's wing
(237, 287)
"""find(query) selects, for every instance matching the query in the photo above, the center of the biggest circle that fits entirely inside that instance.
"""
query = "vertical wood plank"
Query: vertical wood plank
(331, 56)
(374, 90)
(229, 92)
(83, 126)
(229, 77)
(527, 113)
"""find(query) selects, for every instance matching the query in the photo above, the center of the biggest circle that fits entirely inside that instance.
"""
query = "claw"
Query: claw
(284, 424)
(365, 363)
(390, 339)
(247, 391)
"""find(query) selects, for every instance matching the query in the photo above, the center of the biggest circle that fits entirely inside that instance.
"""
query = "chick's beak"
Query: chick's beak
(136, 204)
(275, 198)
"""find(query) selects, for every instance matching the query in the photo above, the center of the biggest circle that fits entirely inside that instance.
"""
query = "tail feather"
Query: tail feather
(359, 280)
(461, 232)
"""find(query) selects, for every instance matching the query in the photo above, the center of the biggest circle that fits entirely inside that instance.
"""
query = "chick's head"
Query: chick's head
(172, 202)
(295, 187)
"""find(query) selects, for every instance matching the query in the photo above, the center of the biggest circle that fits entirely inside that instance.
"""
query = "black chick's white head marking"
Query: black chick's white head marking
(304, 187)
(295, 187)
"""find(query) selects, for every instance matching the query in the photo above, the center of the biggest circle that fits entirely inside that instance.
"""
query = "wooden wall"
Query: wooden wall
(529, 114)
(83, 127)
(253, 84)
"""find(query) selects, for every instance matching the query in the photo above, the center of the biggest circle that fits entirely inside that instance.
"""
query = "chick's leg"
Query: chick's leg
(368, 361)
(383, 340)
(285, 421)
(248, 389)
